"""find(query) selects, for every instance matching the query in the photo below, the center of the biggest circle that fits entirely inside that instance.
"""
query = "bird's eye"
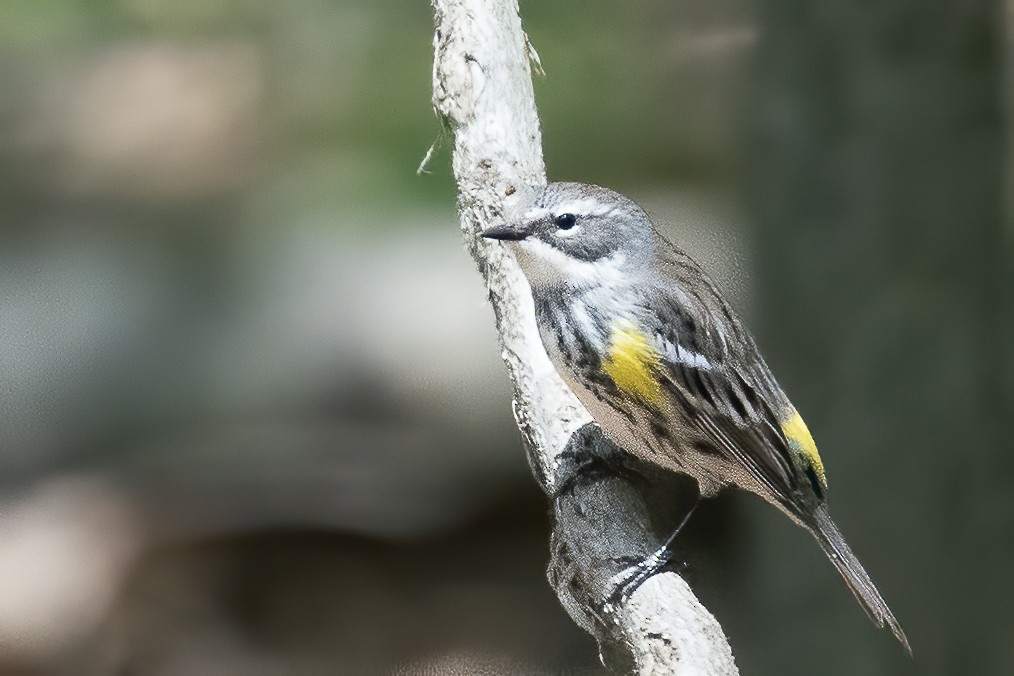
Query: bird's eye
(566, 221)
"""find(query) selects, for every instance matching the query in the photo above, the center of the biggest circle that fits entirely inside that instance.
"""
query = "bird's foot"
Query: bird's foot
(627, 581)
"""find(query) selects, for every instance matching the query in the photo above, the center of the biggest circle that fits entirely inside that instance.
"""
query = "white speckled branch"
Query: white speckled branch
(482, 90)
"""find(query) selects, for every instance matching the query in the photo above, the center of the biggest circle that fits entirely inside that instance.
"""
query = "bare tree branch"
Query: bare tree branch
(609, 510)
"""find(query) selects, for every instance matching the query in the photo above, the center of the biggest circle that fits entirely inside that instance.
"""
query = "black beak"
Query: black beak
(505, 232)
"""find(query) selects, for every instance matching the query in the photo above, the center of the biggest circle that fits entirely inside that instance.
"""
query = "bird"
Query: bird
(666, 368)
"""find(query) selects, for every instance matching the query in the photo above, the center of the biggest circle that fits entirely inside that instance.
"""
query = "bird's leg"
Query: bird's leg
(627, 581)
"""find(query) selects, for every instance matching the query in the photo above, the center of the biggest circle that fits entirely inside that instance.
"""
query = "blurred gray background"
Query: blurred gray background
(254, 418)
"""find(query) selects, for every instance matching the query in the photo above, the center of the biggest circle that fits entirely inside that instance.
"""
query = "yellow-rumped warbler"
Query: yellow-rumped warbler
(659, 358)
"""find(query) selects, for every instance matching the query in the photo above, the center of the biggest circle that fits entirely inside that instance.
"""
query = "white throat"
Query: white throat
(545, 265)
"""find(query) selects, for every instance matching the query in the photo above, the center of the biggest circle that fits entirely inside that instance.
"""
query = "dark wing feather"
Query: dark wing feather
(733, 400)
(754, 445)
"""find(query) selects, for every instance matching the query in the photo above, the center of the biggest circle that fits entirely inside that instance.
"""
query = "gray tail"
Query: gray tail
(862, 587)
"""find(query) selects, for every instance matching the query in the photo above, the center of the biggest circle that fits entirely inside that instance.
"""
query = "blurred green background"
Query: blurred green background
(254, 419)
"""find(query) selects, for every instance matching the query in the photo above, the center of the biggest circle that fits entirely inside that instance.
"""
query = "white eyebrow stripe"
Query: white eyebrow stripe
(585, 207)
(536, 214)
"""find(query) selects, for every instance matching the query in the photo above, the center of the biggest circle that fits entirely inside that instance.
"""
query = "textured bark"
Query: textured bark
(609, 510)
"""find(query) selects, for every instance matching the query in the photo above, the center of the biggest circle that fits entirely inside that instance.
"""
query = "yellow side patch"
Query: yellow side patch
(632, 362)
(801, 441)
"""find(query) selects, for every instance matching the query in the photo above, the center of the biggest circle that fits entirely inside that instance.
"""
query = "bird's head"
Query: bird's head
(577, 235)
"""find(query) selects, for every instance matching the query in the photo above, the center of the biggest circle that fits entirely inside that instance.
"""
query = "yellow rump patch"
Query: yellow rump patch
(632, 362)
(801, 442)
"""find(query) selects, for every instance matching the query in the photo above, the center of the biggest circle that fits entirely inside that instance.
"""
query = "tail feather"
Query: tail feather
(858, 581)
